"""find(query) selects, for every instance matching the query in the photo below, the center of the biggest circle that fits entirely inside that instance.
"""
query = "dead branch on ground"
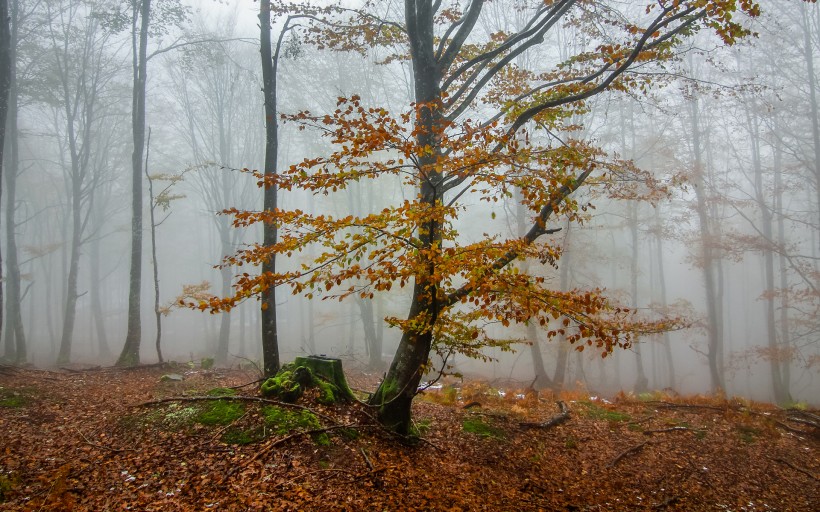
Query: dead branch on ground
(555, 420)
(628, 451)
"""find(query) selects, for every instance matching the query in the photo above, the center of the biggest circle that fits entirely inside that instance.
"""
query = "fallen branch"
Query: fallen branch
(366, 458)
(671, 405)
(800, 470)
(628, 451)
(555, 420)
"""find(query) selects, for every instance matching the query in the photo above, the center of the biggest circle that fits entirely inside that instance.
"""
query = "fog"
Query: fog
(730, 133)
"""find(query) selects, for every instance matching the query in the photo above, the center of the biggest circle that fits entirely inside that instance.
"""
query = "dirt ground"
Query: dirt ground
(105, 439)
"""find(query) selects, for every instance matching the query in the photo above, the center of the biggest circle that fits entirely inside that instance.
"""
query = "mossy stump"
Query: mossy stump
(324, 373)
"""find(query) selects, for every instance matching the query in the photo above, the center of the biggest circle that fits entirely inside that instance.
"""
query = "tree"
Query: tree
(5, 83)
(479, 128)
(130, 355)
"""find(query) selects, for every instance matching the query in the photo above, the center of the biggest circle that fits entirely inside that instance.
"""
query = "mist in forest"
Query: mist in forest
(726, 238)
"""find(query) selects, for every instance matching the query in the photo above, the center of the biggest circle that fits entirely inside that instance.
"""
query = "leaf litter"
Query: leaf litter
(107, 439)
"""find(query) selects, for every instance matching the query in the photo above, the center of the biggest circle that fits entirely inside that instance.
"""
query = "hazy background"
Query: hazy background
(747, 120)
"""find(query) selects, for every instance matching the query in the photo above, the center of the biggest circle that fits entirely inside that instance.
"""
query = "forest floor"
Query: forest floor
(108, 439)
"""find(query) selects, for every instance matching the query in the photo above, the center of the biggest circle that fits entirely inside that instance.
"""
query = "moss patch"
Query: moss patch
(479, 428)
(282, 422)
(597, 412)
(220, 413)
(14, 398)
(221, 392)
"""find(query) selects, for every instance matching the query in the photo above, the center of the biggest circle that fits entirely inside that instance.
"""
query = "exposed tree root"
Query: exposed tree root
(555, 420)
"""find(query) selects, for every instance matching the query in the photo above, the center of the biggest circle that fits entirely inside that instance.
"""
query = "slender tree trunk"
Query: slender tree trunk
(103, 350)
(811, 79)
(130, 355)
(641, 382)
(154, 260)
(785, 335)
(708, 260)
(781, 394)
(5, 83)
(14, 331)
(270, 341)
(70, 311)
(560, 376)
(667, 345)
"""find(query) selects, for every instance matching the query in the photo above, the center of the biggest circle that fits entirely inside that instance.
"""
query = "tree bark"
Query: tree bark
(14, 332)
(130, 355)
(5, 83)
(270, 341)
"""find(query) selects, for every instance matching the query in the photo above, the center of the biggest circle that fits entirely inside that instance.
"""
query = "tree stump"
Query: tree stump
(324, 373)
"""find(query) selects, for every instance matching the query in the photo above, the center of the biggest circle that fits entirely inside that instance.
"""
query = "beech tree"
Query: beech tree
(479, 128)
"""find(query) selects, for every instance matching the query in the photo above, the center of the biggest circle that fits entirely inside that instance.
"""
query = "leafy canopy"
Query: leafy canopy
(493, 127)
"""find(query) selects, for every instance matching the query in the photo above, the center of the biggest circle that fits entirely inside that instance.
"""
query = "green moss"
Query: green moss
(13, 401)
(14, 398)
(479, 428)
(327, 392)
(747, 434)
(283, 422)
(220, 413)
(599, 413)
(289, 384)
(221, 392)
(6, 487)
(206, 363)
(570, 443)
(242, 437)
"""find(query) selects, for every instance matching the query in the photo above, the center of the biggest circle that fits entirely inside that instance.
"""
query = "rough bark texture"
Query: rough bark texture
(130, 355)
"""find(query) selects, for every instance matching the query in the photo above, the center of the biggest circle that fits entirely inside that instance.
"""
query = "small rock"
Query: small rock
(173, 377)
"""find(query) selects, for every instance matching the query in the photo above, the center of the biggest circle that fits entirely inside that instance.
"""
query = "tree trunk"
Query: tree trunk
(394, 396)
(5, 83)
(270, 342)
(130, 355)
(714, 342)
(14, 332)
(641, 382)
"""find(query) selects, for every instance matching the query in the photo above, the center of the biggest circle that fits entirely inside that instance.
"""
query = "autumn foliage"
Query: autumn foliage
(481, 128)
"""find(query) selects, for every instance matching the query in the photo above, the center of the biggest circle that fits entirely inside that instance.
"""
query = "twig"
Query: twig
(226, 427)
(555, 420)
(628, 451)
(672, 429)
(800, 470)
(288, 482)
(267, 449)
(471, 405)
(97, 445)
(366, 458)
